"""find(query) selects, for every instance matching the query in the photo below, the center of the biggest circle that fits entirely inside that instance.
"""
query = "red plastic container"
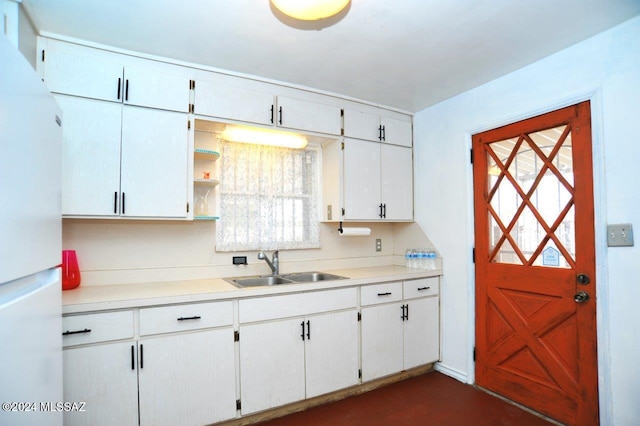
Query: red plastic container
(70, 270)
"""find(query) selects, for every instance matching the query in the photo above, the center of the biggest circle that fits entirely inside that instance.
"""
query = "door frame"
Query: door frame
(599, 200)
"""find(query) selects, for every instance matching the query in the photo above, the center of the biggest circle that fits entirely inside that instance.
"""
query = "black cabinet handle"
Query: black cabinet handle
(406, 312)
(133, 365)
(119, 82)
(384, 133)
(384, 294)
(272, 113)
(69, 333)
(280, 119)
(126, 91)
(380, 209)
(424, 288)
(123, 203)
(380, 132)
(384, 211)
(196, 317)
(402, 316)
(141, 355)
(308, 330)
(115, 202)
(302, 325)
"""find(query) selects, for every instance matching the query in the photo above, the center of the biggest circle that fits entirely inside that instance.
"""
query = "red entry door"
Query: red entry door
(535, 264)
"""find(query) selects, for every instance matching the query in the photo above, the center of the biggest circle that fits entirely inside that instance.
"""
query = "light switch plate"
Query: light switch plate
(378, 244)
(620, 235)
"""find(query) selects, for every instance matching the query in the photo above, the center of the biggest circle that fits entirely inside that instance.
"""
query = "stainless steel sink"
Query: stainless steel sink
(297, 278)
(306, 277)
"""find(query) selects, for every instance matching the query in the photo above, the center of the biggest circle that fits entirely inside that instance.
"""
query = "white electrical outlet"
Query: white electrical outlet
(620, 235)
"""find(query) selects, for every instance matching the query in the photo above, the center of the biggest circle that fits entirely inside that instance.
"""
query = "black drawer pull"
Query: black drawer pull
(384, 294)
(424, 288)
(197, 317)
(69, 333)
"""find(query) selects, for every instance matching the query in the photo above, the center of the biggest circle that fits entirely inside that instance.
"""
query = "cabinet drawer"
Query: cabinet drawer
(300, 304)
(380, 293)
(193, 316)
(92, 328)
(421, 288)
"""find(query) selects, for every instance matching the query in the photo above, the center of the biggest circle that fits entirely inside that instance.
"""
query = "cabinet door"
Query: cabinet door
(422, 332)
(80, 71)
(361, 125)
(309, 116)
(382, 342)
(397, 132)
(155, 160)
(90, 156)
(105, 377)
(235, 103)
(271, 364)
(149, 88)
(397, 181)
(361, 182)
(188, 378)
(331, 352)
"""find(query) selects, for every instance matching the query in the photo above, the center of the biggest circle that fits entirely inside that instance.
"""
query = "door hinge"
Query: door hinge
(191, 108)
(238, 404)
(360, 374)
(359, 316)
(192, 84)
(471, 157)
(342, 146)
(187, 207)
(473, 255)
(236, 336)
(42, 55)
(474, 353)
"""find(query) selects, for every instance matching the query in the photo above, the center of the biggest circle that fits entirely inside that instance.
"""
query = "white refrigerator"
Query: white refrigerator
(30, 245)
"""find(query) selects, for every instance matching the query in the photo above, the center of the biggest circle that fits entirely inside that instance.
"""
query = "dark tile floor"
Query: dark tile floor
(429, 399)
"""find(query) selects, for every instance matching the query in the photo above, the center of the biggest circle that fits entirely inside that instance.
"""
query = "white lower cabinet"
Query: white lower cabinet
(399, 335)
(187, 379)
(105, 377)
(287, 360)
(180, 369)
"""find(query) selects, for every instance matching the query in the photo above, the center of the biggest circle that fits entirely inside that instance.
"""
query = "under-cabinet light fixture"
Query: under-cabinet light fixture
(255, 135)
(310, 10)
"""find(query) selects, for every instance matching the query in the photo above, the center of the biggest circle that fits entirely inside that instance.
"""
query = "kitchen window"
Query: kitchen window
(268, 198)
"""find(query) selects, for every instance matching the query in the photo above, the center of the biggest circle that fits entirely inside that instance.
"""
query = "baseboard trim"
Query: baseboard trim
(324, 399)
(452, 372)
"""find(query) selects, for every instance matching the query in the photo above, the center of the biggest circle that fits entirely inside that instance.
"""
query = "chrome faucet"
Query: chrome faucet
(274, 265)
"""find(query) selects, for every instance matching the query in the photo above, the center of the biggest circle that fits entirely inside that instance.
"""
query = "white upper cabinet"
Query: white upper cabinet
(231, 102)
(234, 103)
(377, 181)
(309, 116)
(123, 160)
(93, 73)
(376, 127)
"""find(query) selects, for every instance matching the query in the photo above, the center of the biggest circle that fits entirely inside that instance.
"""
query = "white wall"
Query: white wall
(605, 69)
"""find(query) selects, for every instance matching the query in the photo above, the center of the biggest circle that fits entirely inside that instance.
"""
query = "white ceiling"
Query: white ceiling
(408, 54)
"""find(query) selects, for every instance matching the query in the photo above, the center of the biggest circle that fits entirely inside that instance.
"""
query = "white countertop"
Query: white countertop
(98, 298)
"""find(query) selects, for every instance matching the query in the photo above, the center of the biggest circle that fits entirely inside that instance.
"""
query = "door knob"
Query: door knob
(583, 279)
(581, 297)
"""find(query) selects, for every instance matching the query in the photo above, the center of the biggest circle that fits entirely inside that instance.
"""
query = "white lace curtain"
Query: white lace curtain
(268, 198)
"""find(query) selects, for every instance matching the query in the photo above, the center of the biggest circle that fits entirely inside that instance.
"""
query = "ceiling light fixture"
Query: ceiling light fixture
(261, 136)
(310, 10)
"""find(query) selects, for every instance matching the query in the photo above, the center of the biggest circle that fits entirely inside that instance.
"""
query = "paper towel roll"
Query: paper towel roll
(355, 232)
